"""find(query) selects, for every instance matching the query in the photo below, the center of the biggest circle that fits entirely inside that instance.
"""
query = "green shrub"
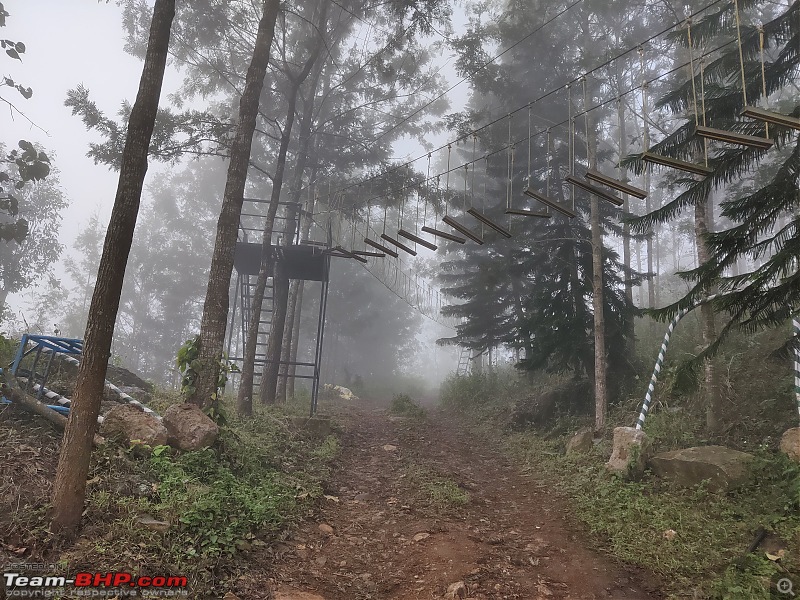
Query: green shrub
(404, 405)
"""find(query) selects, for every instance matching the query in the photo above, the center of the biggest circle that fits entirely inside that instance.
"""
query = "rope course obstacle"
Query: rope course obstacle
(52, 348)
(648, 398)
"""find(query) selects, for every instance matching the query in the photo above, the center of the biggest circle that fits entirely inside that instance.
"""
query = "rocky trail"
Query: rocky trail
(419, 509)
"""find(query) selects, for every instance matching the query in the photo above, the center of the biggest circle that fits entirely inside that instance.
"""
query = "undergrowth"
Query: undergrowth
(214, 503)
(405, 406)
(706, 557)
(435, 490)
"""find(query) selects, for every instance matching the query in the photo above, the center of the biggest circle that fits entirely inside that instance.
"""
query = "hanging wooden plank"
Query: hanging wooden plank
(527, 213)
(618, 185)
(730, 137)
(400, 245)
(768, 116)
(339, 252)
(415, 238)
(371, 254)
(461, 229)
(596, 191)
(667, 161)
(381, 248)
(489, 223)
(554, 204)
(444, 235)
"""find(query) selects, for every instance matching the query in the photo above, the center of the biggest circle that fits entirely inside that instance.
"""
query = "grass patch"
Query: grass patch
(258, 478)
(706, 559)
(404, 406)
(435, 490)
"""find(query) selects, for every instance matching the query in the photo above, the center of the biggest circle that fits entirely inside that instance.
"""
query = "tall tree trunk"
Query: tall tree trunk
(708, 321)
(292, 316)
(304, 144)
(215, 309)
(269, 378)
(297, 303)
(600, 361)
(275, 346)
(244, 400)
(69, 488)
(630, 333)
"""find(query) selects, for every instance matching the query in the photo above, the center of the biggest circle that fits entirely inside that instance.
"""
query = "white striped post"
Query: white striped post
(122, 395)
(648, 397)
(796, 325)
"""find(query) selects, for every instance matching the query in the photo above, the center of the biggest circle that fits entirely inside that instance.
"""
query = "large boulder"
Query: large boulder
(790, 443)
(189, 428)
(130, 423)
(629, 452)
(721, 467)
(582, 442)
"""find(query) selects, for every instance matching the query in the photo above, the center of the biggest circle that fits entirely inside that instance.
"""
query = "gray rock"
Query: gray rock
(790, 443)
(722, 467)
(189, 428)
(581, 442)
(456, 591)
(153, 524)
(132, 423)
(629, 453)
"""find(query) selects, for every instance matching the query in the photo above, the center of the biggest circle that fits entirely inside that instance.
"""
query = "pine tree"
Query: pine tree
(762, 222)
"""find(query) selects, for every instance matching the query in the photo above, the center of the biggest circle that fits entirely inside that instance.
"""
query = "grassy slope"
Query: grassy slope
(220, 502)
(707, 557)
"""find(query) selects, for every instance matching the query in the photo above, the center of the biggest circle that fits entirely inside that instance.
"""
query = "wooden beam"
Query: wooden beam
(621, 186)
(463, 230)
(488, 222)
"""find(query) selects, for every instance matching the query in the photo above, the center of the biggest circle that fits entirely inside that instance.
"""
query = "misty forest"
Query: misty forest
(400, 300)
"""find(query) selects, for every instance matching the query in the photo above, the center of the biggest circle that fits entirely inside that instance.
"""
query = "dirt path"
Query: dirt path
(395, 527)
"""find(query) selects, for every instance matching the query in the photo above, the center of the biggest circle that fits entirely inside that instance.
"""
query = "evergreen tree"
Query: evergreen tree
(761, 218)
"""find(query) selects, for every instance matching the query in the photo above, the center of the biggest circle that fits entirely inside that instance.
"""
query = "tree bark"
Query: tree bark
(269, 379)
(280, 292)
(630, 333)
(69, 488)
(600, 362)
(297, 303)
(304, 145)
(244, 399)
(215, 308)
(708, 322)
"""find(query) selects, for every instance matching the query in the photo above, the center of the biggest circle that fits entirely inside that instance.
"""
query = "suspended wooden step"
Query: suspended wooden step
(554, 204)
(666, 161)
(730, 137)
(585, 185)
(367, 253)
(489, 223)
(415, 238)
(771, 117)
(463, 230)
(444, 235)
(339, 252)
(381, 248)
(400, 245)
(616, 184)
(523, 212)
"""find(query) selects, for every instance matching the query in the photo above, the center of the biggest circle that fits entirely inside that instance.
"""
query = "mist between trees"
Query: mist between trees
(374, 87)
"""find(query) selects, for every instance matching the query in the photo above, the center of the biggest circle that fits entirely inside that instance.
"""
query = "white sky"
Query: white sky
(81, 42)
(67, 44)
